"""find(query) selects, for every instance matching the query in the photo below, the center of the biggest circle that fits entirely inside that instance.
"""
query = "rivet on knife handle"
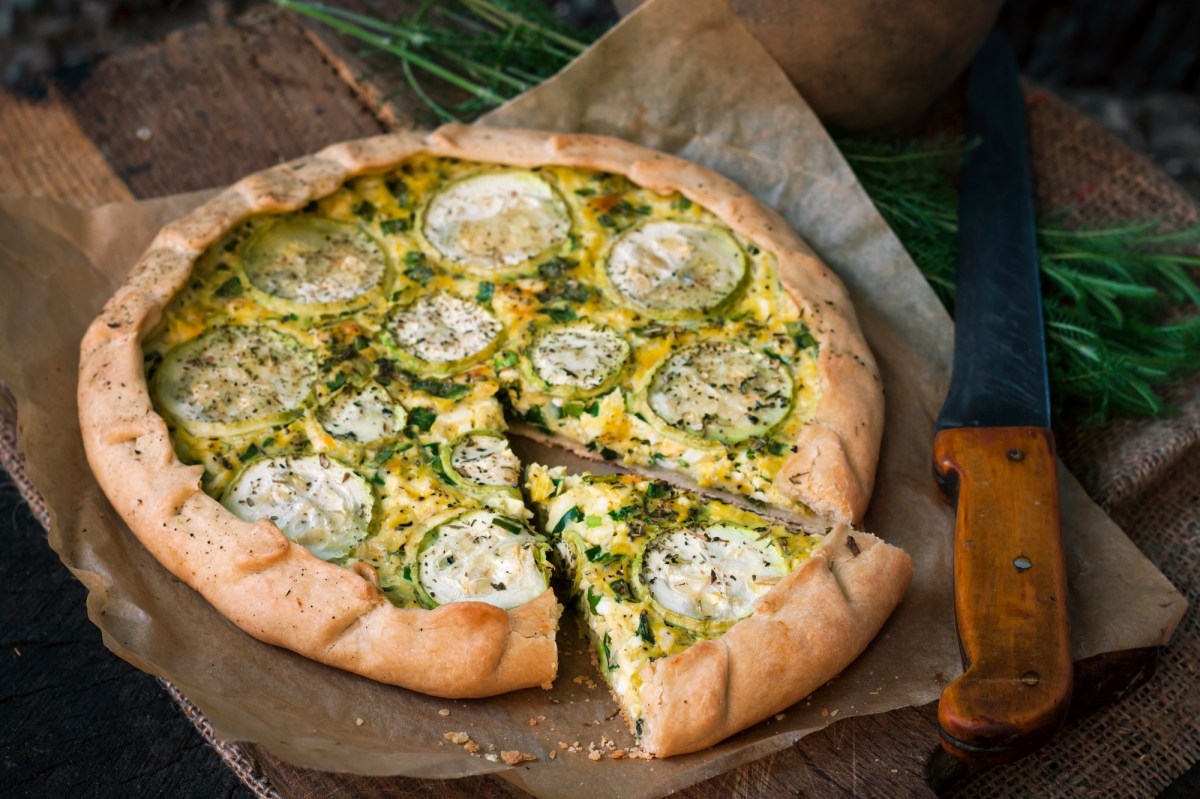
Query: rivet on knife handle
(1009, 592)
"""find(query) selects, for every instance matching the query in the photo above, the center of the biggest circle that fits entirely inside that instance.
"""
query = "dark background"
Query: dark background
(1132, 64)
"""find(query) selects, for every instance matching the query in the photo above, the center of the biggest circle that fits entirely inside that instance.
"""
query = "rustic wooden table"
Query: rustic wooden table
(201, 109)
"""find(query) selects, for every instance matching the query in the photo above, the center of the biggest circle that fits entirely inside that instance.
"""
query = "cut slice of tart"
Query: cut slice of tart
(704, 617)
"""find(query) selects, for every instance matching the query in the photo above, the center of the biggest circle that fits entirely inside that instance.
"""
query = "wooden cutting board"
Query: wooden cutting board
(211, 104)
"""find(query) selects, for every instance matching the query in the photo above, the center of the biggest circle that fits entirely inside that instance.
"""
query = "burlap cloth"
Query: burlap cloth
(1145, 474)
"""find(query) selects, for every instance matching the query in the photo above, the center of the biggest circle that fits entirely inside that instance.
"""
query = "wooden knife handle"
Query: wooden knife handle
(1010, 592)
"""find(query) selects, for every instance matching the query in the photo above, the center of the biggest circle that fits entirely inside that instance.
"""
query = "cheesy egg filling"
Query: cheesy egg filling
(395, 327)
(654, 568)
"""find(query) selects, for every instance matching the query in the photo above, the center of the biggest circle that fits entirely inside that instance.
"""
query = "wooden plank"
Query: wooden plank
(44, 153)
(211, 104)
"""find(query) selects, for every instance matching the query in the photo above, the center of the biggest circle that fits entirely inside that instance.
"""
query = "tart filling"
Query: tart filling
(399, 324)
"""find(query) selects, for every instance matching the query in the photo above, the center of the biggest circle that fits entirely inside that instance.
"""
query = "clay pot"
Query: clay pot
(867, 65)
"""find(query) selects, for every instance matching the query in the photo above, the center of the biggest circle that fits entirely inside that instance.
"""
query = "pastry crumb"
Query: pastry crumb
(780, 716)
(444, 711)
(514, 757)
(491, 758)
(585, 681)
(471, 746)
(358, 722)
(533, 722)
(456, 737)
(617, 754)
(833, 712)
(824, 712)
(594, 755)
(553, 754)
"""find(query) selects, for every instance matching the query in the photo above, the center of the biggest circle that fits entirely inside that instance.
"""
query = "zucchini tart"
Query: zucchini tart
(300, 399)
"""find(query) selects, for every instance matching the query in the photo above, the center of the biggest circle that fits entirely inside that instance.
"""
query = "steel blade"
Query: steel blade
(999, 377)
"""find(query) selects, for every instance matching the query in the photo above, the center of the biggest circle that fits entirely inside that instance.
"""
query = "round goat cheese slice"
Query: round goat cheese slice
(667, 268)
(318, 502)
(310, 261)
(444, 329)
(482, 557)
(720, 391)
(496, 221)
(362, 415)
(485, 459)
(582, 357)
(234, 380)
(710, 575)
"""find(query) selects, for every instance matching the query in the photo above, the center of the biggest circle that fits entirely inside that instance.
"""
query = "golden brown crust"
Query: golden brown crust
(804, 632)
(271, 587)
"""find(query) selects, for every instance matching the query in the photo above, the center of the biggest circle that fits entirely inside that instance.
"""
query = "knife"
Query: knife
(994, 454)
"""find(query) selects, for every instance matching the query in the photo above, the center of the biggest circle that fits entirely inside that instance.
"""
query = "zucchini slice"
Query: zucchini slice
(483, 557)
(442, 333)
(720, 391)
(483, 458)
(313, 265)
(362, 415)
(576, 360)
(234, 380)
(496, 222)
(318, 502)
(707, 578)
(676, 270)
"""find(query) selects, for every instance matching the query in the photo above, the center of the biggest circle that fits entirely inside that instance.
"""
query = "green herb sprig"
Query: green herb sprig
(1105, 290)
(490, 50)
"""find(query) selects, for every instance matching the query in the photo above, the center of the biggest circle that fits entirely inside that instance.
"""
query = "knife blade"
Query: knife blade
(994, 455)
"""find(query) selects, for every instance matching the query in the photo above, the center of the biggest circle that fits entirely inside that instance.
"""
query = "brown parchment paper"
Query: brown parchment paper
(681, 76)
